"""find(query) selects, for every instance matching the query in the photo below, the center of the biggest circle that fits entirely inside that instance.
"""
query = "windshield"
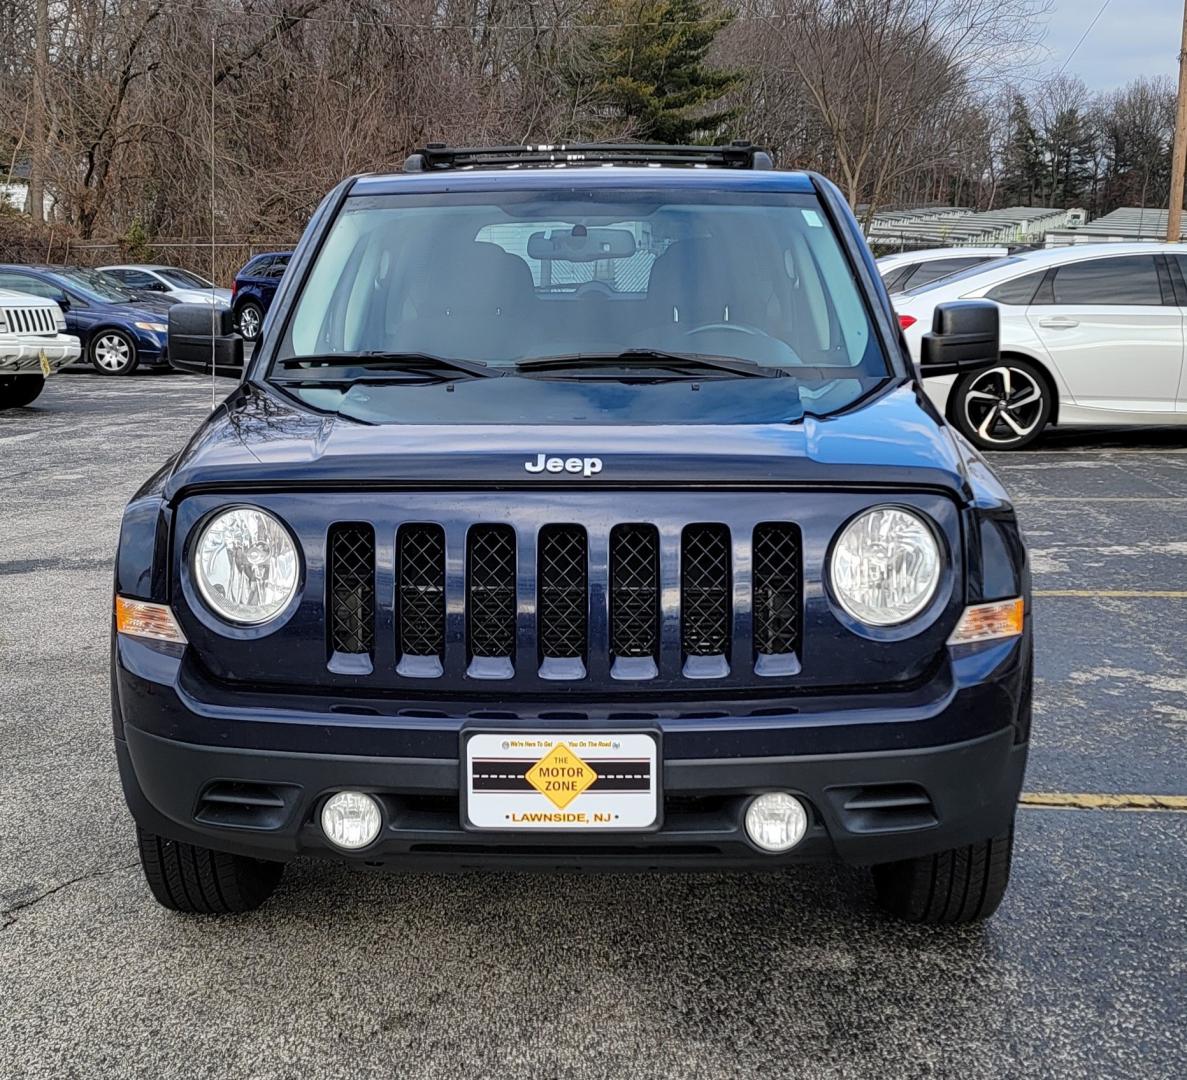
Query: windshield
(184, 279)
(95, 285)
(511, 278)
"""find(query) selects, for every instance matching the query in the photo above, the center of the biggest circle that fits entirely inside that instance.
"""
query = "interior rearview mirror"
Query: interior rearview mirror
(200, 334)
(965, 336)
(581, 244)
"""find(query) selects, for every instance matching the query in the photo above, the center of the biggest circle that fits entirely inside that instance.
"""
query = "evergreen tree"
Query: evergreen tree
(646, 71)
(1022, 158)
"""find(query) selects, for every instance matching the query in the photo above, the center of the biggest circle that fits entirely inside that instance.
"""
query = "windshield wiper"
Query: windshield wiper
(685, 363)
(337, 368)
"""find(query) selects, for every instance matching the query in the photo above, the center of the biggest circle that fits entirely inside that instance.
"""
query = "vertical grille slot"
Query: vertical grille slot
(562, 599)
(705, 600)
(350, 582)
(420, 587)
(490, 601)
(776, 598)
(634, 601)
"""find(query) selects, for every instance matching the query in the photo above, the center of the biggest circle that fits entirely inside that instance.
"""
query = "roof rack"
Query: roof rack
(438, 156)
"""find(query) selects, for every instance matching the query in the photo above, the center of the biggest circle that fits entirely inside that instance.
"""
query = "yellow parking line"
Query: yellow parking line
(1156, 594)
(1088, 801)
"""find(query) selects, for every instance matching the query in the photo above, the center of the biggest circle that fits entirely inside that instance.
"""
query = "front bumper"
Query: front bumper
(907, 790)
(21, 354)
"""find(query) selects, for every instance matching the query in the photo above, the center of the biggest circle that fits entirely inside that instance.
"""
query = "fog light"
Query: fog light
(351, 820)
(776, 821)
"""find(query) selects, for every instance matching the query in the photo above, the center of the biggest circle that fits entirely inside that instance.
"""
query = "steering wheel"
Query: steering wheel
(736, 327)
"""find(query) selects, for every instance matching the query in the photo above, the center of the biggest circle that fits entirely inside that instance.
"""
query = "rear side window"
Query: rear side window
(939, 268)
(1128, 279)
(31, 285)
(896, 280)
(1020, 291)
(258, 267)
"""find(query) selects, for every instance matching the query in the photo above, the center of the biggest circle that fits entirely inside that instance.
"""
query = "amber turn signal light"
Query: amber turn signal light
(139, 618)
(985, 622)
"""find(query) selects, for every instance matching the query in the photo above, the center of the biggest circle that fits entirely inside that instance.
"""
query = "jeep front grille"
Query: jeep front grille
(420, 577)
(705, 599)
(350, 575)
(563, 594)
(490, 600)
(776, 589)
(633, 602)
(29, 320)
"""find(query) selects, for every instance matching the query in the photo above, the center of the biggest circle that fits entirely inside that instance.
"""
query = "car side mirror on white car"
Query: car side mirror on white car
(965, 336)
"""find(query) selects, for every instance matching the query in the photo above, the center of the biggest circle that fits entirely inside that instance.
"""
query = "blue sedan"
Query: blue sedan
(119, 330)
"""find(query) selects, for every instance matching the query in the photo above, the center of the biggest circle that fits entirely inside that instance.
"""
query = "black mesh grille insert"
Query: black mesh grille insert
(705, 590)
(776, 588)
(490, 583)
(562, 587)
(351, 583)
(420, 585)
(634, 590)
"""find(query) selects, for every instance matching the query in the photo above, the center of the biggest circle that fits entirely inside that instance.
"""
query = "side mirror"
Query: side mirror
(965, 336)
(63, 302)
(198, 332)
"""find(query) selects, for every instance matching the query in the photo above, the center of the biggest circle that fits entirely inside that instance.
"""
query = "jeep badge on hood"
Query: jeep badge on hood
(589, 466)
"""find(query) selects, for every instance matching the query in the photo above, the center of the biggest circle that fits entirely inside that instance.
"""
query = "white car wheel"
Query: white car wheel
(1003, 408)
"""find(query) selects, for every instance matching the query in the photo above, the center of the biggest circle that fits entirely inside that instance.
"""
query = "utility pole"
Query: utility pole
(1174, 220)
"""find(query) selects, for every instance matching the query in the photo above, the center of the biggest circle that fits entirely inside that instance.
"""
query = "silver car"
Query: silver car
(171, 282)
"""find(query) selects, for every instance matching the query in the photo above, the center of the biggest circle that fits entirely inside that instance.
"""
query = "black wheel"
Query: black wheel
(959, 886)
(196, 880)
(112, 352)
(1004, 407)
(249, 320)
(19, 390)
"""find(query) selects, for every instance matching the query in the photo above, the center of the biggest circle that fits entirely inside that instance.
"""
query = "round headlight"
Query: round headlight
(245, 563)
(885, 566)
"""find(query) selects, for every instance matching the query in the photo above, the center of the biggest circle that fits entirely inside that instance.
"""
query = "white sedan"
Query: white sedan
(32, 345)
(1091, 334)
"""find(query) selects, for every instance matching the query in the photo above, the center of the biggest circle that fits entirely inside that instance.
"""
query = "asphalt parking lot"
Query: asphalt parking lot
(1083, 973)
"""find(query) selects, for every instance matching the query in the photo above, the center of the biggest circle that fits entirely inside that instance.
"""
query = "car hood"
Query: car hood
(143, 309)
(259, 440)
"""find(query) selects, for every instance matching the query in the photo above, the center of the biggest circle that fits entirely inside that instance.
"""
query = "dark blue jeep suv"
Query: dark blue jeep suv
(579, 508)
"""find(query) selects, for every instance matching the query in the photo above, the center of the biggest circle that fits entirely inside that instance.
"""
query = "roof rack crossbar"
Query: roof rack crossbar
(736, 155)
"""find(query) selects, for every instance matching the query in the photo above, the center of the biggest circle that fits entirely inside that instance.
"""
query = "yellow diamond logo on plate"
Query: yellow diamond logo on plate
(560, 776)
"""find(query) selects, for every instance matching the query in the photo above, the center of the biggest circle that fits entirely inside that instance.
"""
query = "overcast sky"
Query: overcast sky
(1132, 38)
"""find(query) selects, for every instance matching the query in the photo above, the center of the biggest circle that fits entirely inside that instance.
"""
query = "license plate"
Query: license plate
(580, 782)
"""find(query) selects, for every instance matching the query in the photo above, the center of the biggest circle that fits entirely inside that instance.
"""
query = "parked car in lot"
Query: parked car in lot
(581, 516)
(118, 330)
(254, 287)
(913, 269)
(1091, 335)
(33, 345)
(171, 282)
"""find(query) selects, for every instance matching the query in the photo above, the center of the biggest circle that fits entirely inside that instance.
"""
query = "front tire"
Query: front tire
(1005, 407)
(17, 391)
(250, 320)
(963, 885)
(198, 881)
(113, 353)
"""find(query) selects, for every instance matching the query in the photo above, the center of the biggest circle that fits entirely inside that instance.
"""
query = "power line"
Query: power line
(1075, 48)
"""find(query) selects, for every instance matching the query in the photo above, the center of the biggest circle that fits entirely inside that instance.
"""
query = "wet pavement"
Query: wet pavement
(1083, 972)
